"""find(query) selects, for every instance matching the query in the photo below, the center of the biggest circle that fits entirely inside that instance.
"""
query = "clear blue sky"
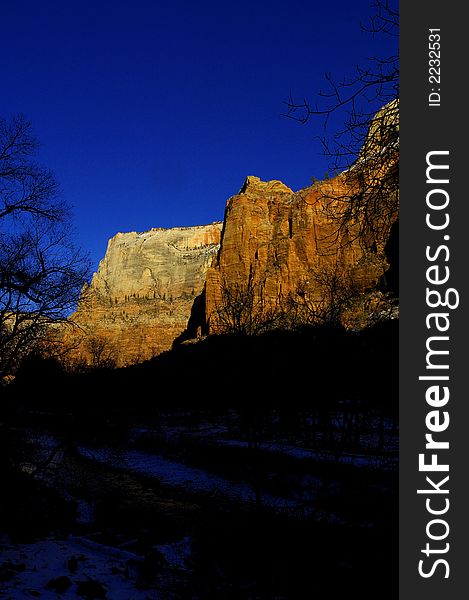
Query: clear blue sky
(152, 113)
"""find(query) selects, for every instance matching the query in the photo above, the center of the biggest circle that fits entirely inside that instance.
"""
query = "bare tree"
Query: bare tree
(324, 297)
(365, 150)
(243, 310)
(102, 352)
(41, 271)
(332, 294)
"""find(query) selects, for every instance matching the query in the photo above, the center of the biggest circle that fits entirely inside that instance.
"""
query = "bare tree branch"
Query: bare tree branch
(364, 153)
(41, 272)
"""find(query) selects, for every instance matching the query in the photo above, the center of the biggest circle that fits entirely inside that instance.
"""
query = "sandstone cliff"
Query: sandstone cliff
(140, 298)
(278, 246)
(325, 244)
(308, 254)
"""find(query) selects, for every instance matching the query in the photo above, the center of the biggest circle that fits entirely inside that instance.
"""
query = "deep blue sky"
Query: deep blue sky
(152, 113)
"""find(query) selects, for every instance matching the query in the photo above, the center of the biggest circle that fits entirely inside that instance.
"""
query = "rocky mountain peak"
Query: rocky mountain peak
(254, 185)
(141, 296)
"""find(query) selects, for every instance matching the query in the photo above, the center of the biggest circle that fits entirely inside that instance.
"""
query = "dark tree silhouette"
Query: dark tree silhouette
(324, 297)
(365, 150)
(244, 310)
(102, 352)
(41, 271)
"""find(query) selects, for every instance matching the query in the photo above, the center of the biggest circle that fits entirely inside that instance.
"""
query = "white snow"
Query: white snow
(178, 474)
(171, 473)
(47, 559)
(355, 460)
(177, 554)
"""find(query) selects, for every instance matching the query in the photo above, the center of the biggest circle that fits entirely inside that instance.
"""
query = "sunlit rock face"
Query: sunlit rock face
(140, 298)
(275, 241)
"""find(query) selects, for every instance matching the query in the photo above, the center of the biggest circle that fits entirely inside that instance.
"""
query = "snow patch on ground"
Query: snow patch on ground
(178, 474)
(355, 460)
(27, 569)
(177, 554)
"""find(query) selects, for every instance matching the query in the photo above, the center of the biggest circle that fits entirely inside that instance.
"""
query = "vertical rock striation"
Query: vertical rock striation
(140, 298)
(273, 245)
(275, 241)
